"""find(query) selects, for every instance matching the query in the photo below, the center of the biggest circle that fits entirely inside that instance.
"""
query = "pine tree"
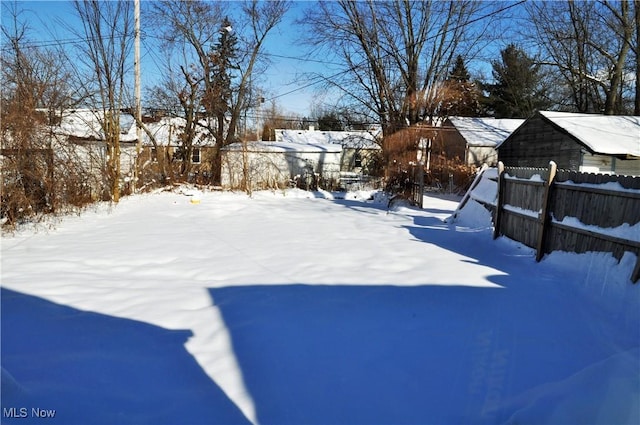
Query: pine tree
(330, 121)
(518, 90)
(461, 96)
(222, 58)
(459, 71)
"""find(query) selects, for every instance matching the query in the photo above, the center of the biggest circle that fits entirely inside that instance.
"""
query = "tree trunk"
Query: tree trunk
(617, 79)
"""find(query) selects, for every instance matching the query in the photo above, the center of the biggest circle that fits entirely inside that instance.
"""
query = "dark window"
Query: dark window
(357, 160)
(195, 157)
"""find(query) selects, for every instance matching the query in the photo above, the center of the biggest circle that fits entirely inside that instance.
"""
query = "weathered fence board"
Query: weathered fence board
(533, 202)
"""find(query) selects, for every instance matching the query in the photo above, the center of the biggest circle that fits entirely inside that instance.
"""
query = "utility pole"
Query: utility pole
(138, 111)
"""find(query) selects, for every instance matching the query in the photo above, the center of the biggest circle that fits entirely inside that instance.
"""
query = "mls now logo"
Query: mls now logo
(23, 412)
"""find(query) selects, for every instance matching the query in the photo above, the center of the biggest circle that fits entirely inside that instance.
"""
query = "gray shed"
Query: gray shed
(578, 142)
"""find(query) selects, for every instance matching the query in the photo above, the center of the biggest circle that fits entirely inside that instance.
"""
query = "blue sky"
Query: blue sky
(282, 81)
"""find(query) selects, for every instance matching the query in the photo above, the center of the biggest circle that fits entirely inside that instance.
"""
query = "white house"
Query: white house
(167, 135)
(79, 139)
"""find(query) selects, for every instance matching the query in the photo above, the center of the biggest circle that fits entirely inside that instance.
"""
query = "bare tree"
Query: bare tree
(204, 31)
(397, 53)
(34, 88)
(396, 56)
(107, 28)
(588, 43)
(273, 117)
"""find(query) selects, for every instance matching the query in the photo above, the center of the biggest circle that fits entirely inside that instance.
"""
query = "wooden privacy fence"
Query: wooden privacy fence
(558, 210)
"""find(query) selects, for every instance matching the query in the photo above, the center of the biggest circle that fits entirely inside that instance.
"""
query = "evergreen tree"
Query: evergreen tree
(330, 121)
(461, 96)
(459, 71)
(518, 91)
(222, 57)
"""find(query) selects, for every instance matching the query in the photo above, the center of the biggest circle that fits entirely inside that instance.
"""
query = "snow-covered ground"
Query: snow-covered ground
(290, 308)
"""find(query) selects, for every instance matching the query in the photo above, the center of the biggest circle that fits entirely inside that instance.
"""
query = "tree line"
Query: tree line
(403, 63)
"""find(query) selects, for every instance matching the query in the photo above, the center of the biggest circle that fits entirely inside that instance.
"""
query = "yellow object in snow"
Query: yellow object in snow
(195, 201)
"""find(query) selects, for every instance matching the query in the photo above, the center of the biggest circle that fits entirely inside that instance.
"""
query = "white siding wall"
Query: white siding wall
(628, 167)
(609, 165)
(480, 155)
(277, 169)
(596, 164)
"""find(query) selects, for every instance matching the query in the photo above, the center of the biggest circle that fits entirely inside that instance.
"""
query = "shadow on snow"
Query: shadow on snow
(408, 355)
(344, 354)
(96, 369)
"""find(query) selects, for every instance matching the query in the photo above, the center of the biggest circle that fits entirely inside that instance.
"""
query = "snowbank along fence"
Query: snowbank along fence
(559, 210)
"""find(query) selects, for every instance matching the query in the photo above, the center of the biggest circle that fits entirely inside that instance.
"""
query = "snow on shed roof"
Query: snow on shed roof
(168, 130)
(286, 147)
(85, 124)
(346, 139)
(603, 134)
(486, 131)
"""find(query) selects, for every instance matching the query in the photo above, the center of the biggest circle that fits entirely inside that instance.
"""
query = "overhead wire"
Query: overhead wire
(318, 79)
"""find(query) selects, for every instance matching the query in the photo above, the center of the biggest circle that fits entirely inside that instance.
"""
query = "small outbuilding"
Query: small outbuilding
(267, 165)
(474, 139)
(359, 148)
(579, 142)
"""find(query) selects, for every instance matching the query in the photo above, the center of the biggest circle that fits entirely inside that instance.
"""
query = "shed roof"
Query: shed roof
(346, 139)
(86, 124)
(167, 132)
(602, 134)
(486, 131)
(290, 147)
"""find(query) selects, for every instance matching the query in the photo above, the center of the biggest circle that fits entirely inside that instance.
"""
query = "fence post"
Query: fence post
(420, 189)
(635, 275)
(544, 217)
(498, 212)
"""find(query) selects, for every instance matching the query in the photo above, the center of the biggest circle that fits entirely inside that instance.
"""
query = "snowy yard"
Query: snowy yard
(307, 309)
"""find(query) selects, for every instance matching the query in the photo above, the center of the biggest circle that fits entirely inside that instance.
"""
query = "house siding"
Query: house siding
(367, 158)
(451, 144)
(479, 155)
(604, 164)
(268, 169)
(627, 167)
(597, 164)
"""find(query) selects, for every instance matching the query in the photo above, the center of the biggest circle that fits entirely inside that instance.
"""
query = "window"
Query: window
(357, 160)
(195, 156)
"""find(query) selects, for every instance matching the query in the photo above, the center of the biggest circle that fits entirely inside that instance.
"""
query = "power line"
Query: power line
(63, 42)
(319, 78)
(440, 33)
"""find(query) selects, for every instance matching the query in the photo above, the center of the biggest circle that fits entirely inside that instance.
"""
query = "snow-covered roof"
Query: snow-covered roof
(346, 139)
(286, 147)
(167, 132)
(487, 131)
(85, 124)
(603, 134)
